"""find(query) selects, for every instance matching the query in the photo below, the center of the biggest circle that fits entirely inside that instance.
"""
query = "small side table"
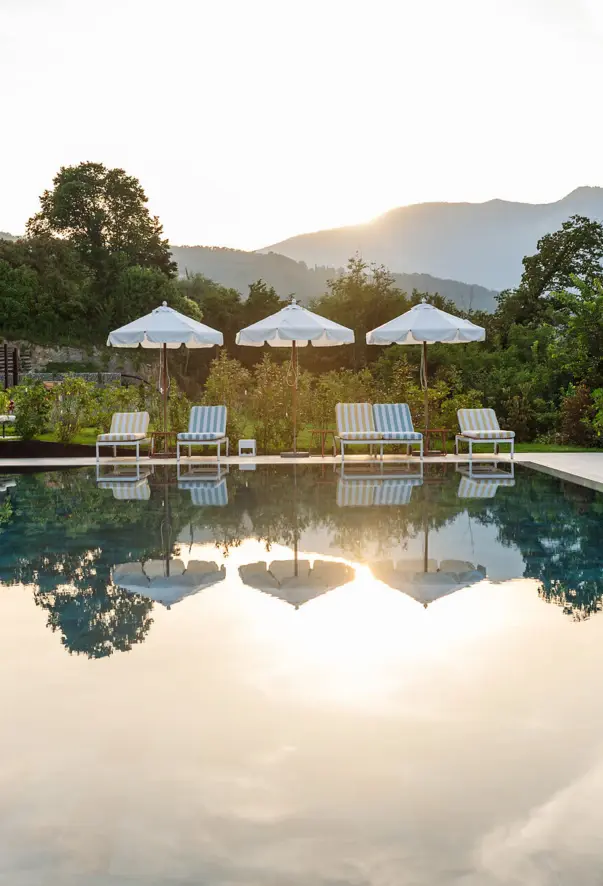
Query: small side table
(323, 433)
(428, 435)
(247, 444)
(163, 443)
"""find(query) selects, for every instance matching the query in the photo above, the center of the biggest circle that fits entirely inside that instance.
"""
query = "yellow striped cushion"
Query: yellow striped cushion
(478, 420)
(355, 418)
(129, 423)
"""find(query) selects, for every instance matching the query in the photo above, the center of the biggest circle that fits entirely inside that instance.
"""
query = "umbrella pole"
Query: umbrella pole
(165, 395)
(294, 359)
(425, 390)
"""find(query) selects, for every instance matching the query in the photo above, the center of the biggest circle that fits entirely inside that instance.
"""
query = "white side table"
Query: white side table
(247, 445)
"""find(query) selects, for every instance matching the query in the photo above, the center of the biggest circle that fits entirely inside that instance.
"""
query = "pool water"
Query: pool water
(286, 676)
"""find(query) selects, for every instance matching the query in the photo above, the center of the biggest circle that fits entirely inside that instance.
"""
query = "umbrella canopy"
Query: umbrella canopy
(295, 327)
(167, 584)
(427, 585)
(296, 582)
(164, 328)
(425, 324)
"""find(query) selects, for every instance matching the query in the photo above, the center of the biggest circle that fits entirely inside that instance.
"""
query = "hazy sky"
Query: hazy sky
(248, 121)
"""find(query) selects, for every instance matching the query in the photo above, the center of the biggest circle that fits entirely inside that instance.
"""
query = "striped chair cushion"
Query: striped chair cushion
(208, 420)
(129, 491)
(209, 436)
(119, 438)
(489, 435)
(471, 488)
(129, 423)
(355, 493)
(208, 494)
(393, 492)
(394, 418)
(477, 420)
(402, 435)
(356, 419)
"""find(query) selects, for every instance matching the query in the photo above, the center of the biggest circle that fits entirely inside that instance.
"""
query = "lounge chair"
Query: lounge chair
(394, 422)
(127, 429)
(206, 427)
(355, 425)
(481, 426)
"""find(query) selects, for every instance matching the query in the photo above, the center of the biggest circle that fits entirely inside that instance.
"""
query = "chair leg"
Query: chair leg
(512, 449)
(421, 449)
(341, 443)
(219, 447)
(227, 447)
(471, 449)
(97, 454)
(115, 452)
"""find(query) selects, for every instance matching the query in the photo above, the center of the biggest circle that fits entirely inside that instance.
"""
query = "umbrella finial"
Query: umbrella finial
(294, 301)
(165, 304)
(423, 301)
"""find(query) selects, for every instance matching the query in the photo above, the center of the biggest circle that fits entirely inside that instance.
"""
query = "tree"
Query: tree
(103, 214)
(362, 298)
(262, 301)
(575, 250)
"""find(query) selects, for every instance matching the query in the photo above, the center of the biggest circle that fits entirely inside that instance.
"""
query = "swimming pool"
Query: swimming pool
(289, 676)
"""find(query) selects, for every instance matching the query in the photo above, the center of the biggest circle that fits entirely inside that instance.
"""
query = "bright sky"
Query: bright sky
(248, 121)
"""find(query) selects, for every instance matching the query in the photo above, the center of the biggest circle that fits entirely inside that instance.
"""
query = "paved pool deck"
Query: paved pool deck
(584, 468)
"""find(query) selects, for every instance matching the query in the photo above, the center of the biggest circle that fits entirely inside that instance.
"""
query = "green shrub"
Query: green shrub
(227, 385)
(113, 398)
(32, 409)
(71, 404)
(577, 414)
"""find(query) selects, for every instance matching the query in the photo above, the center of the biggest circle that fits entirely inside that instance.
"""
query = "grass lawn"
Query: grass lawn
(87, 436)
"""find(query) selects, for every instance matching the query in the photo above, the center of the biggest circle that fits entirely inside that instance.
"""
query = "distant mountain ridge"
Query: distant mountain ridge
(237, 269)
(473, 242)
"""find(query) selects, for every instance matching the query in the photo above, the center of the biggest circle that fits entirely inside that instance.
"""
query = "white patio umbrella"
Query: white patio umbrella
(295, 581)
(295, 327)
(164, 328)
(167, 582)
(425, 324)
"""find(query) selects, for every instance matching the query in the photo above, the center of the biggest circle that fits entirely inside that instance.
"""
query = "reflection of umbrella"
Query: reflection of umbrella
(428, 584)
(425, 324)
(295, 581)
(165, 585)
(295, 327)
(164, 328)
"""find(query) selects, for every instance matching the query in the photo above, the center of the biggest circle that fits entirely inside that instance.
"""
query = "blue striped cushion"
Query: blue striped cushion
(208, 420)
(393, 418)
(402, 435)
(209, 436)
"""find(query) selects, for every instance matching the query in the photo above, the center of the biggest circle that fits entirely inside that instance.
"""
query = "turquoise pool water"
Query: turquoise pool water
(289, 676)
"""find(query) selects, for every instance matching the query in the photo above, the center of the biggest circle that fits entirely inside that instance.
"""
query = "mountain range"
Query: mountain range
(480, 243)
(237, 269)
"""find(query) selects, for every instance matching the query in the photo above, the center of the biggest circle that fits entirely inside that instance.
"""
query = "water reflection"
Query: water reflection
(99, 552)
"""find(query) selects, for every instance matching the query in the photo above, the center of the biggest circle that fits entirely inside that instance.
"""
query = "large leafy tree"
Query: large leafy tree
(575, 250)
(103, 213)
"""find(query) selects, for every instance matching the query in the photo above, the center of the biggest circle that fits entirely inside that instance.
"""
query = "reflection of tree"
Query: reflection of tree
(65, 537)
(93, 617)
(557, 528)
